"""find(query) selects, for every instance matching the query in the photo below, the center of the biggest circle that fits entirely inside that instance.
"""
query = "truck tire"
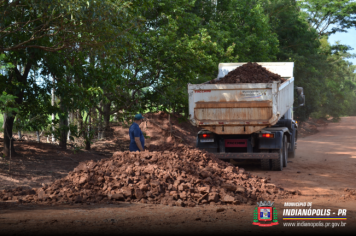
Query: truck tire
(291, 154)
(266, 164)
(277, 164)
(285, 151)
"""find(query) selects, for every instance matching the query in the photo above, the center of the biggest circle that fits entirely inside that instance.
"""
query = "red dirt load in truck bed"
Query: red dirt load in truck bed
(249, 73)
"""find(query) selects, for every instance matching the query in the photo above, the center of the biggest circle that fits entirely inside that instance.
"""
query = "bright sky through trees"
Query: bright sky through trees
(348, 38)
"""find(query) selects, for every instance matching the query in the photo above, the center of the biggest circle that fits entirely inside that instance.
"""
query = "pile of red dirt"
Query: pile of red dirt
(179, 175)
(311, 126)
(159, 129)
(249, 73)
(162, 127)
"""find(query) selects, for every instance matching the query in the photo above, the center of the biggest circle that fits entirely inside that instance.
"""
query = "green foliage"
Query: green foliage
(55, 25)
(323, 14)
(4, 66)
(7, 102)
(189, 39)
(74, 133)
(145, 135)
(241, 28)
(125, 57)
(1, 122)
(319, 67)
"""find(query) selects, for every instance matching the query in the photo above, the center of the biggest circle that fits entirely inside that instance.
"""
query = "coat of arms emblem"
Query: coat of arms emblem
(265, 215)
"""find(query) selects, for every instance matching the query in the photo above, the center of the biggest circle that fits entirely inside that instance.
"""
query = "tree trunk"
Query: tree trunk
(100, 126)
(53, 98)
(63, 126)
(69, 123)
(87, 145)
(89, 124)
(88, 138)
(72, 117)
(80, 122)
(8, 125)
(9, 121)
(38, 139)
(107, 111)
(94, 118)
(4, 118)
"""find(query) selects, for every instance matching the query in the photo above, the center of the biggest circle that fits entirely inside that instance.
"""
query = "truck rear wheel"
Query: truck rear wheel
(266, 164)
(277, 164)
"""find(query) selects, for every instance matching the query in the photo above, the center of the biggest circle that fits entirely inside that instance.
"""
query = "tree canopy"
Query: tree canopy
(105, 59)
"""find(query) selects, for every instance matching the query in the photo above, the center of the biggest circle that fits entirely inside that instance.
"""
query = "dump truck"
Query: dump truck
(245, 121)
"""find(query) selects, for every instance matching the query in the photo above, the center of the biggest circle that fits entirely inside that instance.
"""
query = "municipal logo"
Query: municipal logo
(265, 215)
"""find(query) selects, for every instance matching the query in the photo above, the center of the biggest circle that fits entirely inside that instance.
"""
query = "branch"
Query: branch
(321, 21)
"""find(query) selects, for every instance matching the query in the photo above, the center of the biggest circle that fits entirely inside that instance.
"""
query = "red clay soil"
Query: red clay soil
(311, 126)
(249, 73)
(175, 175)
(164, 128)
(170, 172)
(42, 163)
(322, 170)
(159, 128)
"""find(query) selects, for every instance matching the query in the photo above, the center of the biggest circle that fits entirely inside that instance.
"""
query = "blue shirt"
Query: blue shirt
(135, 131)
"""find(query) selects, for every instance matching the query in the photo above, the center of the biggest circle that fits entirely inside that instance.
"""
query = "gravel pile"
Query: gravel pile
(249, 73)
(179, 176)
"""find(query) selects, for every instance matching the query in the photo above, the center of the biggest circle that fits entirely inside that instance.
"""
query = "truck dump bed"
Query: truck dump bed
(241, 108)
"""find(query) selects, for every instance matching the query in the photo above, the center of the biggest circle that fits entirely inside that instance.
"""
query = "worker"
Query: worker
(137, 141)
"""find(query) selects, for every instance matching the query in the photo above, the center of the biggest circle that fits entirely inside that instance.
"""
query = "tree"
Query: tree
(340, 15)
(183, 42)
(30, 30)
(169, 49)
(55, 25)
(8, 109)
(239, 27)
(318, 66)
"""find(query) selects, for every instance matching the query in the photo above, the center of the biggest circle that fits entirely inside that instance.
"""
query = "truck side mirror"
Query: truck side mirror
(301, 96)
(301, 100)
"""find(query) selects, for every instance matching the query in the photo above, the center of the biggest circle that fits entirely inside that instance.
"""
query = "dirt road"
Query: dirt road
(325, 162)
(324, 166)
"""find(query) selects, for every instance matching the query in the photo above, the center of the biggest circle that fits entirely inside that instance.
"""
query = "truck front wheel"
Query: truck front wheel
(285, 151)
(291, 154)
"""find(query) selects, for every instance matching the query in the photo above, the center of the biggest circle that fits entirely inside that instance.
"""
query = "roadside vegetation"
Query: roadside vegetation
(92, 62)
